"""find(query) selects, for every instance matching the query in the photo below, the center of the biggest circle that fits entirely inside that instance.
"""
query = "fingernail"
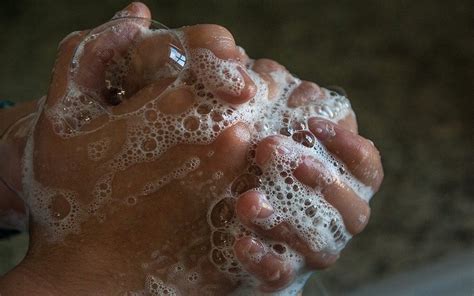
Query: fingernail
(263, 209)
(282, 149)
(246, 93)
(266, 208)
(255, 250)
(266, 151)
(124, 12)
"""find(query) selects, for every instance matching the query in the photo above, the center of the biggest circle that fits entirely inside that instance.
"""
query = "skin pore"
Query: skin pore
(113, 247)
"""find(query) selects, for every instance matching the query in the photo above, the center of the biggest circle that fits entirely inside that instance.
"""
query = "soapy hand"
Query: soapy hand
(135, 150)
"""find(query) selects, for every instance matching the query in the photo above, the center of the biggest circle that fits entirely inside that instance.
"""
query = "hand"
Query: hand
(14, 124)
(357, 157)
(85, 194)
(94, 141)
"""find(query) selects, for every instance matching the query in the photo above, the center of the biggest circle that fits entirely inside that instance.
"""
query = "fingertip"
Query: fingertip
(267, 147)
(359, 154)
(273, 272)
(267, 66)
(276, 275)
(247, 92)
(354, 210)
(312, 172)
(242, 57)
(134, 9)
(321, 128)
(248, 250)
(321, 260)
(221, 43)
(349, 123)
(304, 94)
(213, 37)
(252, 205)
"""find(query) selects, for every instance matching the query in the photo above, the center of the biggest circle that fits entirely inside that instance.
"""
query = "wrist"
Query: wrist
(22, 280)
(64, 270)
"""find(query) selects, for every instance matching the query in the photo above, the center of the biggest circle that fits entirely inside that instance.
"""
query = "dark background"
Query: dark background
(406, 65)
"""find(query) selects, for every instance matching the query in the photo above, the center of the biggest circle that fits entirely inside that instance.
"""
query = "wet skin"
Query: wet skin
(172, 217)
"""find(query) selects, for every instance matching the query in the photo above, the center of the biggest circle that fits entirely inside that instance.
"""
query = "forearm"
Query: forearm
(8, 116)
(12, 209)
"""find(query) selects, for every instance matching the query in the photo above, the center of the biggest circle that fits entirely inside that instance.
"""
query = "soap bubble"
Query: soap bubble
(115, 61)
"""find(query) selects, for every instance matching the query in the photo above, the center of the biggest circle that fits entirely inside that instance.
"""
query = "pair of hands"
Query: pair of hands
(64, 163)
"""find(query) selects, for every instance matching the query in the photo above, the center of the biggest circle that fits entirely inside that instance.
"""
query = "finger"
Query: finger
(306, 93)
(349, 123)
(220, 41)
(265, 68)
(233, 141)
(360, 155)
(354, 210)
(242, 57)
(273, 272)
(282, 232)
(253, 205)
(91, 57)
(267, 147)
(213, 37)
(134, 9)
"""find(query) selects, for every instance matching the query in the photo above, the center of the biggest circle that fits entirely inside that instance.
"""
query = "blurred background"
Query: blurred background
(408, 69)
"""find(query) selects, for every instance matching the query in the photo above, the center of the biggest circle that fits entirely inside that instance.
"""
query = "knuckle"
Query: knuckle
(213, 31)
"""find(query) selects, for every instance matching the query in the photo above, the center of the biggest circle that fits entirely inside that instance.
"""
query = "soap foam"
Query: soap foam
(150, 133)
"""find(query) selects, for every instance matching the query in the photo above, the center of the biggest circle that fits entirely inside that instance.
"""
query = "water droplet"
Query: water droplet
(305, 138)
(131, 200)
(297, 125)
(151, 115)
(191, 123)
(255, 170)
(60, 207)
(204, 109)
(280, 249)
(149, 144)
(216, 116)
(311, 211)
(285, 131)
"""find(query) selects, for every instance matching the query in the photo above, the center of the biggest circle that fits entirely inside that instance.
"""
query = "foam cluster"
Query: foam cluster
(156, 287)
(151, 131)
(98, 149)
